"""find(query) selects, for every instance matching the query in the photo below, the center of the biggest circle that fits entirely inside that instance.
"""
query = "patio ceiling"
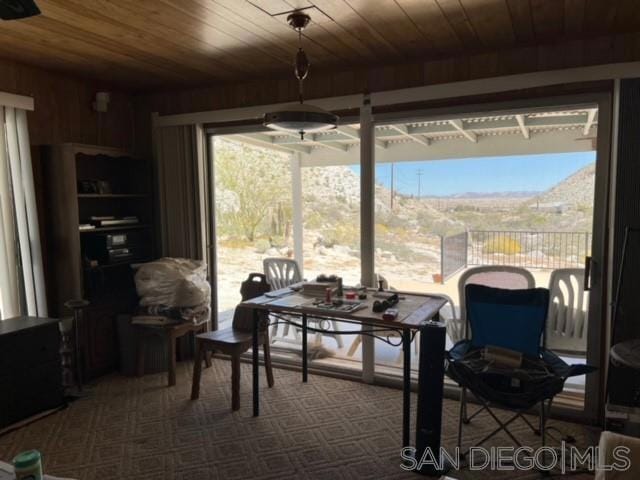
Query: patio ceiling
(463, 137)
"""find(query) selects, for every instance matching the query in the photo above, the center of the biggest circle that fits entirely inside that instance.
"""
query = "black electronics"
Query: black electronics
(111, 248)
(16, 9)
(382, 305)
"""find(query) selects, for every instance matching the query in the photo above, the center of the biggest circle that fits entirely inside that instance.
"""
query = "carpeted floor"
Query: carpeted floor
(330, 429)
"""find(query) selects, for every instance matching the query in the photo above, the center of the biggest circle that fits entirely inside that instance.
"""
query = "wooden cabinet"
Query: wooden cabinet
(30, 370)
(83, 184)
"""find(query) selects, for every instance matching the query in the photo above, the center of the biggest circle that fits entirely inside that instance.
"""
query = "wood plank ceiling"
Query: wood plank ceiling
(173, 43)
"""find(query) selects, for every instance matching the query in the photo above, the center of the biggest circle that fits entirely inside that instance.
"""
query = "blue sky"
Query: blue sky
(483, 175)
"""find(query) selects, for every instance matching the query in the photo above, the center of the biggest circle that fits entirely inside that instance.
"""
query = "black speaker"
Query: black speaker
(624, 374)
(16, 9)
(433, 337)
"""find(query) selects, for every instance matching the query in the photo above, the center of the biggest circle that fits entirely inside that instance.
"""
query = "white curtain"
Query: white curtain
(22, 290)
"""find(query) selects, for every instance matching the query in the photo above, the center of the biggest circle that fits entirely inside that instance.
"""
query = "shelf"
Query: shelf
(113, 195)
(118, 264)
(116, 228)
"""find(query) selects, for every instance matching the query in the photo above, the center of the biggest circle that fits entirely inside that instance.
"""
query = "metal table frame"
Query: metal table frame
(428, 427)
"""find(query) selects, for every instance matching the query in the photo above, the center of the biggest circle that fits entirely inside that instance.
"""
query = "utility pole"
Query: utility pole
(392, 187)
(419, 174)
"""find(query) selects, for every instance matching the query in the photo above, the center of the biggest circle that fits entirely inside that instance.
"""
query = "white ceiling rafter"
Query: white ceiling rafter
(404, 131)
(345, 139)
(591, 117)
(523, 127)
(458, 125)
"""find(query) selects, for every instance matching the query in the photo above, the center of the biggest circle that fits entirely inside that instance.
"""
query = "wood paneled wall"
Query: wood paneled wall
(63, 111)
(568, 54)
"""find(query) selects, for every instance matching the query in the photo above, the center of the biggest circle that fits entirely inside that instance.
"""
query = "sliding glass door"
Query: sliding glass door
(518, 195)
(278, 197)
(515, 186)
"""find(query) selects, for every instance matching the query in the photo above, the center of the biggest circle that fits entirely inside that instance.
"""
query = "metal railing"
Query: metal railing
(545, 250)
(453, 254)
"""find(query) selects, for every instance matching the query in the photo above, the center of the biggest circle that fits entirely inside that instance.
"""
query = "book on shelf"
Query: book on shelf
(86, 226)
(119, 221)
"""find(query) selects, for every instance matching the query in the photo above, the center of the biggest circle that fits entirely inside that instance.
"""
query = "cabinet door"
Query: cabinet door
(99, 340)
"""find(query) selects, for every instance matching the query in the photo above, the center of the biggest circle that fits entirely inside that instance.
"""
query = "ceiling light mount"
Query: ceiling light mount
(298, 20)
(301, 118)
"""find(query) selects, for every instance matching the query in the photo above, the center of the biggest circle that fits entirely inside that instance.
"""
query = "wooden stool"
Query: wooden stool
(233, 342)
(236, 340)
(171, 333)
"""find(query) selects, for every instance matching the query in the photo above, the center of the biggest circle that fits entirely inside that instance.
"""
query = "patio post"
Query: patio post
(296, 193)
(367, 222)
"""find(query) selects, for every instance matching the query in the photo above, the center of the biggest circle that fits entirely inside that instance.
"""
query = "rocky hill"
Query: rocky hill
(576, 191)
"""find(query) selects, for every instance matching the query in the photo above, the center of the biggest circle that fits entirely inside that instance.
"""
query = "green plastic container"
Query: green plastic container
(28, 465)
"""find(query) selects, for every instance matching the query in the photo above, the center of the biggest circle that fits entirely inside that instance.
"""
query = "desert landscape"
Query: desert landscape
(254, 221)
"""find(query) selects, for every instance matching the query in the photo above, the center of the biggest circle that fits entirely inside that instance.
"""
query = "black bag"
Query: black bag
(518, 388)
(254, 286)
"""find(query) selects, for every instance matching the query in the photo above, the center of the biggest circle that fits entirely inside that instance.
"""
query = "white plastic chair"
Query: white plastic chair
(282, 272)
(566, 330)
(496, 276)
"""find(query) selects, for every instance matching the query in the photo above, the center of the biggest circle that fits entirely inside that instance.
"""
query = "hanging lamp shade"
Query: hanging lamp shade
(300, 117)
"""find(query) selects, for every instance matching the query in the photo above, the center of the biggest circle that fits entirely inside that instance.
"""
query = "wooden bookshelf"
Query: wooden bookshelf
(71, 272)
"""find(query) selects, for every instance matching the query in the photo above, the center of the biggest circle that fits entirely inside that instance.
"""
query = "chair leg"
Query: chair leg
(207, 358)
(267, 363)
(354, 346)
(461, 415)
(465, 417)
(274, 332)
(171, 359)
(338, 337)
(235, 382)
(543, 420)
(197, 370)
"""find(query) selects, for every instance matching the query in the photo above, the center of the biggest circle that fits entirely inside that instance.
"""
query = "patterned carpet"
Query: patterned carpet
(330, 429)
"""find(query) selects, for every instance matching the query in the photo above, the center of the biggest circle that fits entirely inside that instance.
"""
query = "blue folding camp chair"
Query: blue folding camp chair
(513, 320)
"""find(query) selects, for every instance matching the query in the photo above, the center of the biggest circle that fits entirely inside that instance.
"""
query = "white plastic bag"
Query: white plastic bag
(174, 282)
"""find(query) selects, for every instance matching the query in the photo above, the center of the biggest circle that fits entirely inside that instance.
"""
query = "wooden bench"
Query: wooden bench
(172, 333)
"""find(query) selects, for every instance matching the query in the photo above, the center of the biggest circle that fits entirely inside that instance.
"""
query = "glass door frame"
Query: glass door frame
(369, 118)
(596, 337)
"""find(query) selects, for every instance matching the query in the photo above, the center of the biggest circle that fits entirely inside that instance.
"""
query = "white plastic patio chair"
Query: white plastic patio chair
(282, 272)
(496, 276)
(566, 331)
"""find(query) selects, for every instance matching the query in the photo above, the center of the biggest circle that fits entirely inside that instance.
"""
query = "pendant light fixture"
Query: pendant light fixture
(300, 117)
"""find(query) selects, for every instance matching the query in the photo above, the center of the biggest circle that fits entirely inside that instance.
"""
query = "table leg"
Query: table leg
(304, 348)
(256, 378)
(406, 387)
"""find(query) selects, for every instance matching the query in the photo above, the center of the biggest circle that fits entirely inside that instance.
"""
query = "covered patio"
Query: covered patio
(534, 132)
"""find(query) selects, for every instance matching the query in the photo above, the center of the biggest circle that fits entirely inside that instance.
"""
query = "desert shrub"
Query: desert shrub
(502, 245)
(234, 242)
(343, 234)
(262, 245)
(381, 229)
